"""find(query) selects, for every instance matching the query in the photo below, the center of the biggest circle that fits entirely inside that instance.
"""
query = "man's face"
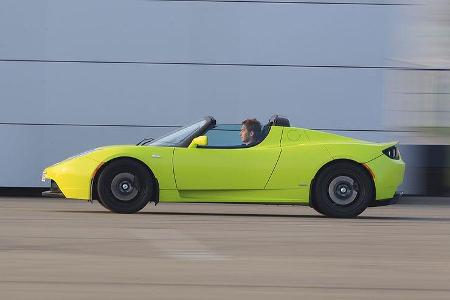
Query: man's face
(245, 134)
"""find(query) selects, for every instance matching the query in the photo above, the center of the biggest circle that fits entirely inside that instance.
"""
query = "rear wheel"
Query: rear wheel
(342, 190)
(125, 186)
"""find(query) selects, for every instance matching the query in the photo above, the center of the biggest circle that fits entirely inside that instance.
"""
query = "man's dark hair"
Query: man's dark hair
(253, 125)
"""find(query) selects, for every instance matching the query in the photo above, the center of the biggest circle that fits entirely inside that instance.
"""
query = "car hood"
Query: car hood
(104, 153)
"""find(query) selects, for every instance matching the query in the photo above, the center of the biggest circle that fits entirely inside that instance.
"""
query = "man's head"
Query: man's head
(250, 131)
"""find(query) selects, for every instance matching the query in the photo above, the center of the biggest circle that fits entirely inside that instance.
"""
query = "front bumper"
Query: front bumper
(50, 194)
(72, 178)
(54, 192)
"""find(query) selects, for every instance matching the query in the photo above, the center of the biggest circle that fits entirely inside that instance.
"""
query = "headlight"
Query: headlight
(392, 152)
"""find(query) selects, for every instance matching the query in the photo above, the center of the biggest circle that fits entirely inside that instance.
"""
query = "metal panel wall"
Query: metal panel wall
(70, 64)
(195, 31)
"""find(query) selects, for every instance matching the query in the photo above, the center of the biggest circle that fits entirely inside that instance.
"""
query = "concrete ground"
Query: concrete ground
(67, 249)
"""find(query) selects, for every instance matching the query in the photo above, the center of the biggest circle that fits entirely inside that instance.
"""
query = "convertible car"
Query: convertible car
(206, 162)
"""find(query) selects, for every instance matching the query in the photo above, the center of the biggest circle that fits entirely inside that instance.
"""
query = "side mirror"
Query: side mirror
(199, 141)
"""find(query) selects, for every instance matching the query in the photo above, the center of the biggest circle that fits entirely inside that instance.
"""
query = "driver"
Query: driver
(250, 132)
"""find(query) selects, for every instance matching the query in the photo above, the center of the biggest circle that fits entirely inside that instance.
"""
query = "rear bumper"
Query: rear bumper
(387, 175)
(389, 201)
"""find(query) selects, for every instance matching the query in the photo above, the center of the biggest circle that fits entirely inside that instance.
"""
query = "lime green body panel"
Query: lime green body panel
(298, 164)
(158, 159)
(388, 175)
(305, 152)
(74, 176)
(341, 147)
(280, 169)
(227, 169)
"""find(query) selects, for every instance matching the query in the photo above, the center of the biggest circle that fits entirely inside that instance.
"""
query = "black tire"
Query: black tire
(342, 190)
(101, 203)
(125, 186)
(314, 206)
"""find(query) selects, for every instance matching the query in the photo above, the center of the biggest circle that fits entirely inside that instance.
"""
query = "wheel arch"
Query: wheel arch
(94, 180)
(362, 166)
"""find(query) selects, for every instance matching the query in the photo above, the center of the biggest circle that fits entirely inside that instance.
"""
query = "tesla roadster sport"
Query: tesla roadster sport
(206, 162)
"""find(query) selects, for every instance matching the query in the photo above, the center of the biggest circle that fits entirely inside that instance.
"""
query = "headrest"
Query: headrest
(276, 120)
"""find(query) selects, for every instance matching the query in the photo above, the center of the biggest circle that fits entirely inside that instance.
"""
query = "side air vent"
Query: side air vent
(392, 152)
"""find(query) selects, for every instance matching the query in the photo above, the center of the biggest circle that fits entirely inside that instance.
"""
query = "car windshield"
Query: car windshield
(176, 138)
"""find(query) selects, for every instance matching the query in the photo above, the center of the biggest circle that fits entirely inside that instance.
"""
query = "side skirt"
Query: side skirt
(293, 196)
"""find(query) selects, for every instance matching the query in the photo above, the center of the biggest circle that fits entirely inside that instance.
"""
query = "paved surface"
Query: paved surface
(65, 249)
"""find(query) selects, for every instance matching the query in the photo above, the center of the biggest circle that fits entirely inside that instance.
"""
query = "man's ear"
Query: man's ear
(252, 133)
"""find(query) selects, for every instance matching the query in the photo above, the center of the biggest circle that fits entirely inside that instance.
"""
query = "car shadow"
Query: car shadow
(256, 215)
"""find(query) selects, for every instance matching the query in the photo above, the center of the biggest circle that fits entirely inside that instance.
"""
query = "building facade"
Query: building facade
(78, 74)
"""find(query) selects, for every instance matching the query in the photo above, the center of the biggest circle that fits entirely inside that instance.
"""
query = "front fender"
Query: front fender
(74, 175)
(158, 159)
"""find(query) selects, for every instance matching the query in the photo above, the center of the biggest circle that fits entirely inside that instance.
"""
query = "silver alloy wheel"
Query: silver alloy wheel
(343, 190)
(124, 186)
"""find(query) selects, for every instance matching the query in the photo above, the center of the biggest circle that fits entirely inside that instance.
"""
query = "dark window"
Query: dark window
(224, 135)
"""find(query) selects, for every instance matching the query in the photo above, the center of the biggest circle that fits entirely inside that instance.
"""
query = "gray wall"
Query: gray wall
(66, 65)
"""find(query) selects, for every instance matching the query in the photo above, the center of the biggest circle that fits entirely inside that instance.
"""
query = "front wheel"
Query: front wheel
(342, 190)
(125, 186)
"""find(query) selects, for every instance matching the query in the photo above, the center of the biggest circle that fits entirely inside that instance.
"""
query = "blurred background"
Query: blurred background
(78, 74)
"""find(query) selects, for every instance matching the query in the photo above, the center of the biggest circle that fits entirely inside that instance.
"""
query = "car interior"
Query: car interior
(226, 136)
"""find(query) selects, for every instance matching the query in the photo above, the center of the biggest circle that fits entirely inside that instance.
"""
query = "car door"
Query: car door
(216, 168)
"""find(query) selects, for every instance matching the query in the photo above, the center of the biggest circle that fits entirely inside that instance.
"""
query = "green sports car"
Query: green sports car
(206, 162)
